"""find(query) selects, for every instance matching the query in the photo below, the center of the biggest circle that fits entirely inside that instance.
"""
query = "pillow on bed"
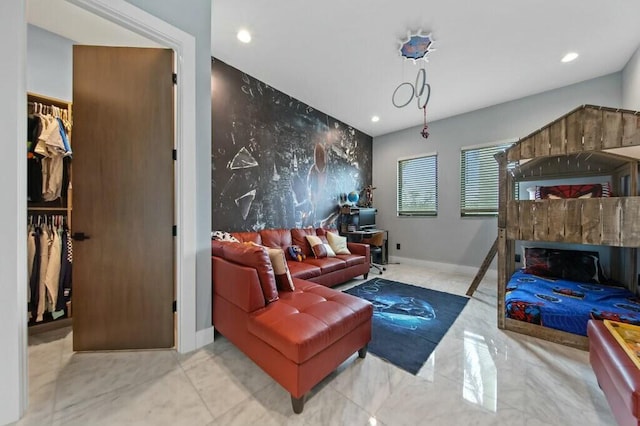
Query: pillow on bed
(534, 257)
(573, 265)
(590, 190)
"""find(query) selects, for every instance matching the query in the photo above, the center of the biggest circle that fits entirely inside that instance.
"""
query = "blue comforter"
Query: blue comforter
(568, 305)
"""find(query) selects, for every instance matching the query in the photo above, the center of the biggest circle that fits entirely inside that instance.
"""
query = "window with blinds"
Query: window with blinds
(418, 186)
(479, 180)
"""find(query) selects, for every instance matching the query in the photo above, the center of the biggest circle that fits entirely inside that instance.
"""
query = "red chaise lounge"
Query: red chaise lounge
(299, 338)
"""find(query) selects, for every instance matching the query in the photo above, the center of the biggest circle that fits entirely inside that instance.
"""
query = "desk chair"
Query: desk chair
(376, 241)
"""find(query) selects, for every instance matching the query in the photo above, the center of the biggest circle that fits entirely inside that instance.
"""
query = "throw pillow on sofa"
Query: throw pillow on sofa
(319, 248)
(223, 236)
(281, 269)
(255, 256)
(338, 243)
(330, 252)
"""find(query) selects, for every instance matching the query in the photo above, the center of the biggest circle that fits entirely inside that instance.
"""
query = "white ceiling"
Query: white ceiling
(341, 56)
(72, 22)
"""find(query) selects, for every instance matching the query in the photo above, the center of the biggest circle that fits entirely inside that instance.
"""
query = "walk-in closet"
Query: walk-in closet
(101, 221)
(49, 209)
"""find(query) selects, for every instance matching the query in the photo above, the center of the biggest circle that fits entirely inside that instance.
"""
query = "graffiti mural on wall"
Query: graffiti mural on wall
(277, 162)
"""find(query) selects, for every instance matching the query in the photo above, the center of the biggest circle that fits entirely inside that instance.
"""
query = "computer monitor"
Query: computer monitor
(367, 218)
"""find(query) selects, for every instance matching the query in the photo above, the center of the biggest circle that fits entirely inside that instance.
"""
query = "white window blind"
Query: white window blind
(479, 180)
(418, 186)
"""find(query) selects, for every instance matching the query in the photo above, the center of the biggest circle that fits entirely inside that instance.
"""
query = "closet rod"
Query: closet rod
(31, 97)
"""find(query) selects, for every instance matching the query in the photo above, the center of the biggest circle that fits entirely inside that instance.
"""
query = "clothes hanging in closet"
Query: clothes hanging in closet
(49, 267)
(49, 151)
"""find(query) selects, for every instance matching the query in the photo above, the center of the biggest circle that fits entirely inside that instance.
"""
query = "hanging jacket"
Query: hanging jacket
(34, 278)
(53, 270)
(34, 163)
(45, 244)
(51, 146)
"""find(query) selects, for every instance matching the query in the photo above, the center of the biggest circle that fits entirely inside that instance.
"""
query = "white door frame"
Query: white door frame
(13, 256)
(183, 44)
(137, 20)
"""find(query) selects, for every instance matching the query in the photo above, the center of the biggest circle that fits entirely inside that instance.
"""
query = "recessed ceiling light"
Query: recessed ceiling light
(375, 118)
(244, 36)
(569, 57)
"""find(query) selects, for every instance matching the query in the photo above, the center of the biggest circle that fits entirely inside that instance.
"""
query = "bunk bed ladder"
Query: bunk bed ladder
(483, 268)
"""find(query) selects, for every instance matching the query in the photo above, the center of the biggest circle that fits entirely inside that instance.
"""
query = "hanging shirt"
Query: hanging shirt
(65, 139)
(52, 137)
(34, 164)
(52, 177)
(51, 146)
(64, 285)
(53, 270)
(31, 254)
(34, 280)
(45, 244)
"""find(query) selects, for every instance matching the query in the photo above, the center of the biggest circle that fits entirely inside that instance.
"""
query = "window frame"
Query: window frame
(483, 210)
(432, 208)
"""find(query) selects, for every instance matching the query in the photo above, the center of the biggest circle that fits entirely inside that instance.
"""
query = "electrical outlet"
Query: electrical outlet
(518, 258)
(397, 246)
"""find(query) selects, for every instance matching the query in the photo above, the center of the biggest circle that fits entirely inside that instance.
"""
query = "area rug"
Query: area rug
(408, 321)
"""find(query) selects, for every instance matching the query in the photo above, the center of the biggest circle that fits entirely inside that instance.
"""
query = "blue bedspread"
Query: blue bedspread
(567, 305)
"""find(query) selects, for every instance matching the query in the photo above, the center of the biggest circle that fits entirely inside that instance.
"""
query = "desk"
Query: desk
(357, 236)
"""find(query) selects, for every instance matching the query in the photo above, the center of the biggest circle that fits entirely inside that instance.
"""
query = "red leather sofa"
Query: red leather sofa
(329, 271)
(617, 375)
(306, 333)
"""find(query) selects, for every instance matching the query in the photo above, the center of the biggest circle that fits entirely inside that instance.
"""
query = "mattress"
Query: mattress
(567, 305)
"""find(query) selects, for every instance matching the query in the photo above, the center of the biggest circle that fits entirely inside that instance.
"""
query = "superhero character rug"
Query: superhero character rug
(408, 321)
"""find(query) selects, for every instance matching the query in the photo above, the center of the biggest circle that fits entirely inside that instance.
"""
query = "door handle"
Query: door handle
(79, 236)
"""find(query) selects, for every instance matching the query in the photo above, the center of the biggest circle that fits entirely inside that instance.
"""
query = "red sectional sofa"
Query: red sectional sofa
(302, 335)
(329, 271)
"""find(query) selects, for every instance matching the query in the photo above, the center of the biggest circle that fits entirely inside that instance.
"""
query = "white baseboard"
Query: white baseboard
(491, 273)
(204, 337)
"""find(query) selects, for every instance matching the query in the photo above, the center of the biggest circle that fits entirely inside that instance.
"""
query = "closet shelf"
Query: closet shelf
(48, 209)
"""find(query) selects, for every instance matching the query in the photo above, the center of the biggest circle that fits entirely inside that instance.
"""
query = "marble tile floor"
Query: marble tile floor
(478, 375)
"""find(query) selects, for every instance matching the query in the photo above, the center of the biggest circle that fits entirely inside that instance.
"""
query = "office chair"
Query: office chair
(375, 248)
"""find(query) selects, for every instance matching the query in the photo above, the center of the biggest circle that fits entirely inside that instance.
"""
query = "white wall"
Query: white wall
(631, 83)
(195, 19)
(49, 72)
(448, 238)
(13, 174)
(49, 64)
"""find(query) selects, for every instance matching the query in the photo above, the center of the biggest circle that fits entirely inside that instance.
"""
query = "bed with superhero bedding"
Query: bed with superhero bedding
(563, 289)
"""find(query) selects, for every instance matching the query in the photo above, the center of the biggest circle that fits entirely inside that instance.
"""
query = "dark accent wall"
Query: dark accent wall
(277, 162)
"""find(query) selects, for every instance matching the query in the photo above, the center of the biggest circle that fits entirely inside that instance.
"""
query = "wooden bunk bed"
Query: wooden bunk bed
(588, 141)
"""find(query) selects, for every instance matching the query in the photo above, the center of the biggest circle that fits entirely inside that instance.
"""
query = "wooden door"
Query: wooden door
(123, 180)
